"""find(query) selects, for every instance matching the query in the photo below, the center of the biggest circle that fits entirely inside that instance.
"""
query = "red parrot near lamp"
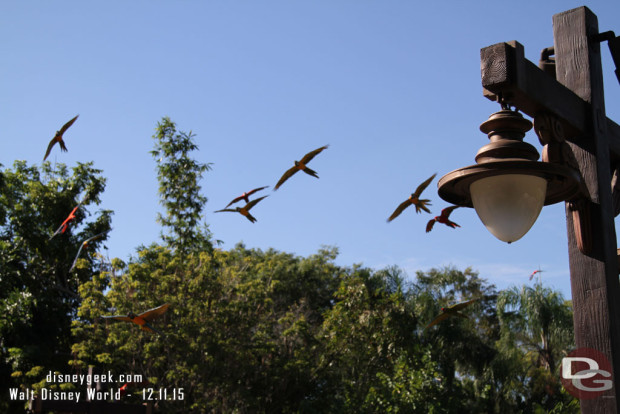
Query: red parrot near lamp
(58, 138)
(414, 199)
(300, 166)
(452, 311)
(142, 320)
(245, 196)
(443, 218)
(65, 224)
(84, 245)
(245, 210)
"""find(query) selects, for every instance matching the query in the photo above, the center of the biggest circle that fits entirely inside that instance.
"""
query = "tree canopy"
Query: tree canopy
(251, 330)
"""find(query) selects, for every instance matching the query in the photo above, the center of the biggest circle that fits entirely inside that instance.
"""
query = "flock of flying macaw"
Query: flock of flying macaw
(143, 320)
(299, 166)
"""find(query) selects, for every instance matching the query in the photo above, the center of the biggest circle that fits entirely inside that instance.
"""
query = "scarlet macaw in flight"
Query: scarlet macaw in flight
(443, 218)
(535, 271)
(69, 219)
(414, 199)
(58, 138)
(300, 166)
(245, 196)
(245, 210)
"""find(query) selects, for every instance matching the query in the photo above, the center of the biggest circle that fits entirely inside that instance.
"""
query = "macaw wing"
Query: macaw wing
(95, 237)
(234, 200)
(438, 319)
(118, 318)
(256, 189)
(423, 186)
(59, 230)
(67, 125)
(151, 314)
(445, 213)
(49, 148)
(252, 203)
(288, 174)
(82, 200)
(312, 154)
(84, 244)
(226, 209)
(462, 305)
(429, 225)
(76, 257)
(401, 207)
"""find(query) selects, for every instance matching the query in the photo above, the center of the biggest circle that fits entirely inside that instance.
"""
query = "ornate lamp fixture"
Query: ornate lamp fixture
(508, 186)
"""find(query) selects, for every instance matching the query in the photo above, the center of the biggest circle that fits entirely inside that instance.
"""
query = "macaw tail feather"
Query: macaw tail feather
(310, 172)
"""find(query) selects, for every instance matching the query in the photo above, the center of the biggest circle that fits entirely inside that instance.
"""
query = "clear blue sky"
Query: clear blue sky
(392, 86)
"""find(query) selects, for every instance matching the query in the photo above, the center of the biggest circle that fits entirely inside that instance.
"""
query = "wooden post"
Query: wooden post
(575, 99)
(594, 278)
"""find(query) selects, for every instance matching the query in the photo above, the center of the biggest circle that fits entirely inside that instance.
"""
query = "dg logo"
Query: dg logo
(586, 373)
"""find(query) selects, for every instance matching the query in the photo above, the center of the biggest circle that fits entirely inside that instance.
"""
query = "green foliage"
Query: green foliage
(178, 176)
(537, 332)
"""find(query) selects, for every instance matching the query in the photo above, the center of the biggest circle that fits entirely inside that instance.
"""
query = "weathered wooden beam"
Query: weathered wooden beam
(506, 71)
(594, 277)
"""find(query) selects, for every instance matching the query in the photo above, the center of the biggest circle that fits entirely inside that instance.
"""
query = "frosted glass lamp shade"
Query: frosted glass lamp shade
(508, 204)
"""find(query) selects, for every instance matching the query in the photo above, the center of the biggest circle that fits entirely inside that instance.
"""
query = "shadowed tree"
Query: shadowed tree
(462, 348)
(38, 295)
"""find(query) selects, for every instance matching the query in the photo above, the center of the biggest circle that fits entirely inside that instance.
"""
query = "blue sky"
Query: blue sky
(392, 86)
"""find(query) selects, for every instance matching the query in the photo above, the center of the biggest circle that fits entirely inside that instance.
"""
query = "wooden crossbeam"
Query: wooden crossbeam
(506, 71)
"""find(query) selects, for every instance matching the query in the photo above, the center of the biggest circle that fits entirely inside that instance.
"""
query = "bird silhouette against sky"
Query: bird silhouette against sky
(58, 138)
(245, 210)
(443, 218)
(534, 273)
(452, 311)
(414, 199)
(65, 224)
(144, 319)
(300, 166)
(83, 246)
(245, 196)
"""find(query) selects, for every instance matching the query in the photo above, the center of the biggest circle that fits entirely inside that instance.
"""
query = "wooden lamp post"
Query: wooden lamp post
(582, 157)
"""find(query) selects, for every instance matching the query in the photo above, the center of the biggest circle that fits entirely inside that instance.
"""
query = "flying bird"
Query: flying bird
(84, 245)
(65, 224)
(443, 218)
(300, 166)
(143, 320)
(535, 271)
(452, 311)
(58, 138)
(245, 196)
(245, 210)
(414, 198)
